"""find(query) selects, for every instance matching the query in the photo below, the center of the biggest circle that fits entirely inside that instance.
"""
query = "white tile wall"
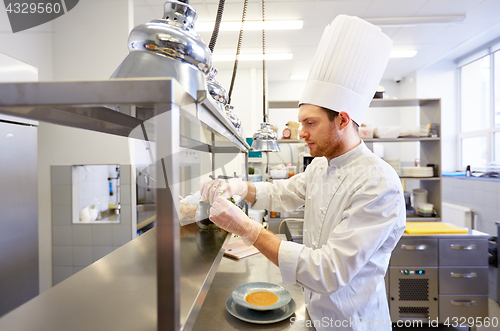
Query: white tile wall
(75, 246)
(482, 196)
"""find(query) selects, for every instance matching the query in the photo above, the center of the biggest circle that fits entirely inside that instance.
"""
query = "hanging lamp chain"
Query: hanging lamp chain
(264, 106)
(218, 19)
(238, 48)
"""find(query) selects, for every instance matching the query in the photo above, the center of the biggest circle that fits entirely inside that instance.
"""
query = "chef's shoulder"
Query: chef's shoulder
(372, 170)
(317, 163)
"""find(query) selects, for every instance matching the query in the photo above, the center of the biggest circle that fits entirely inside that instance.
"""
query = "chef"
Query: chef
(354, 204)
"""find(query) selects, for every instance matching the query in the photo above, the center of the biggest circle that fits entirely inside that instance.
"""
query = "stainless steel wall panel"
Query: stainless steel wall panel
(18, 215)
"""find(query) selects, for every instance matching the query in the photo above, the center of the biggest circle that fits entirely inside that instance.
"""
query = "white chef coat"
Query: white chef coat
(354, 217)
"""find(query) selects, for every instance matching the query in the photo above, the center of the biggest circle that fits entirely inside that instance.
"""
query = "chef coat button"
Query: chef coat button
(321, 210)
(305, 230)
(309, 198)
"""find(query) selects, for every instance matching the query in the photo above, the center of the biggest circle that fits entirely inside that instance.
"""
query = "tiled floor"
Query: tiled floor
(494, 312)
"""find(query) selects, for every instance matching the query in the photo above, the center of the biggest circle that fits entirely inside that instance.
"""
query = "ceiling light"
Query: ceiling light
(251, 25)
(252, 57)
(299, 77)
(400, 54)
(414, 20)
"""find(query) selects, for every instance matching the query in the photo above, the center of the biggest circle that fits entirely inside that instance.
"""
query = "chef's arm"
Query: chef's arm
(370, 228)
(268, 244)
(250, 197)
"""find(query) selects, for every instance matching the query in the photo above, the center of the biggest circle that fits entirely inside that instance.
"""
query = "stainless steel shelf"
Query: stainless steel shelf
(423, 219)
(421, 178)
(374, 103)
(173, 119)
(104, 106)
(291, 141)
(390, 140)
(401, 102)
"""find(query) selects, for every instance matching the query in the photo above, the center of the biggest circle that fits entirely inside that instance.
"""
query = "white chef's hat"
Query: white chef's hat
(347, 67)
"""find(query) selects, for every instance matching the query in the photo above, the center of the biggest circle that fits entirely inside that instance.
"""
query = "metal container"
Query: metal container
(215, 89)
(169, 47)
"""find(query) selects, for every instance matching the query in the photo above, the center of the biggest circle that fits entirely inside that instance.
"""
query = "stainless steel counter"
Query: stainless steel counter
(119, 292)
(230, 274)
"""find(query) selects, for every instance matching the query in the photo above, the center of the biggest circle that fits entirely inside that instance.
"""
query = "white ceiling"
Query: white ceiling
(432, 41)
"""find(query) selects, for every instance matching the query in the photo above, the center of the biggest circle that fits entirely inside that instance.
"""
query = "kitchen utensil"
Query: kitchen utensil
(260, 317)
(239, 295)
(238, 250)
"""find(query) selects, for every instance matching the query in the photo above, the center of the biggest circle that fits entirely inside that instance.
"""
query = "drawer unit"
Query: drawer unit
(466, 252)
(413, 293)
(462, 306)
(463, 280)
(415, 252)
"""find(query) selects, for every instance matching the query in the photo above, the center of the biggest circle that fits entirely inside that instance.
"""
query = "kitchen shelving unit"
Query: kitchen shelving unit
(429, 111)
(167, 271)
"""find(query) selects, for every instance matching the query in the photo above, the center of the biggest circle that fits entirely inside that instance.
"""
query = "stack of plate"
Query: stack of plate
(394, 163)
(417, 172)
(238, 306)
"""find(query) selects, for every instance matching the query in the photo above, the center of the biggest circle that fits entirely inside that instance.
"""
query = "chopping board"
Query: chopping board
(237, 249)
(432, 228)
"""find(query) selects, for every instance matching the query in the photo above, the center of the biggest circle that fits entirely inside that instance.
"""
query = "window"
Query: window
(475, 96)
(479, 125)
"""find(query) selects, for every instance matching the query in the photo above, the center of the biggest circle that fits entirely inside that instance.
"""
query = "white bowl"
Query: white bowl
(279, 174)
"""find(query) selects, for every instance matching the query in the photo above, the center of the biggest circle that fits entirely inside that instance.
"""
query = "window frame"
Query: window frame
(489, 133)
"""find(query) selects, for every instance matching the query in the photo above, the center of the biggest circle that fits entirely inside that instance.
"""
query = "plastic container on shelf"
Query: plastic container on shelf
(292, 170)
(419, 198)
(386, 132)
(278, 174)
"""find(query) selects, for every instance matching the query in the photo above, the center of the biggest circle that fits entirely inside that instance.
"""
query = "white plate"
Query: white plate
(240, 293)
(260, 317)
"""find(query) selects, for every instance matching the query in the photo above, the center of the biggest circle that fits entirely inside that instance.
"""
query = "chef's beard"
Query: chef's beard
(330, 147)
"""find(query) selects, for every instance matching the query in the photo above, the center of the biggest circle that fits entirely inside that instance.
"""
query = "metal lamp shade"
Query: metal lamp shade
(265, 139)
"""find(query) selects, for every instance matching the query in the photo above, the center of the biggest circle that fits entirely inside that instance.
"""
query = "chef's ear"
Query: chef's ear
(343, 120)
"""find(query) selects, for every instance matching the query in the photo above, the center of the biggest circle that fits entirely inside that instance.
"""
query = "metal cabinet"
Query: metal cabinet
(438, 277)
(464, 274)
(415, 252)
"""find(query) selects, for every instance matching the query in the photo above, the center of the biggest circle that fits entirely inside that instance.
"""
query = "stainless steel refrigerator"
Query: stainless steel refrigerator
(19, 275)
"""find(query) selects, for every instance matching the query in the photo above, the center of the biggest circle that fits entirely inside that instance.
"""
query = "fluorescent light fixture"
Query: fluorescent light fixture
(252, 57)
(409, 21)
(251, 25)
(400, 54)
(298, 76)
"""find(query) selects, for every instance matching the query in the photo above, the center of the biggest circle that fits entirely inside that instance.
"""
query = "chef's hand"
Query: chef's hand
(223, 187)
(232, 219)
